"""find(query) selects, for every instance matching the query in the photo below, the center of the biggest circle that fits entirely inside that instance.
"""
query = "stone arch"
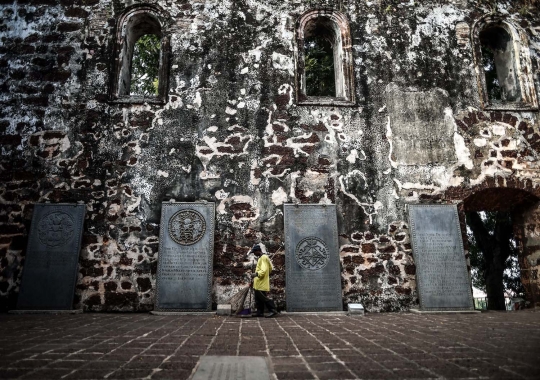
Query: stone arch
(517, 58)
(336, 25)
(133, 23)
(520, 198)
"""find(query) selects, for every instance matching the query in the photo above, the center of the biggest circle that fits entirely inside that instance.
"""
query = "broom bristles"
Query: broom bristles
(238, 300)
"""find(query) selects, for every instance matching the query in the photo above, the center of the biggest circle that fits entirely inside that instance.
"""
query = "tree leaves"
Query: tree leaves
(145, 66)
(319, 67)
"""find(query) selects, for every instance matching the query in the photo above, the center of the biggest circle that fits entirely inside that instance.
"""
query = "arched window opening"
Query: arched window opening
(498, 61)
(141, 60)
(503, 65)
(319, 67)
(145, 66)
(324, 59)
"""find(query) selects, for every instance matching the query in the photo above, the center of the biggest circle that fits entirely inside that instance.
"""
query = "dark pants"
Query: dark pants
(261, 300)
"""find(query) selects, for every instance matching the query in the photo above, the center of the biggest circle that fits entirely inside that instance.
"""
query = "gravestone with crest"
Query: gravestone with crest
(313, 277)
(52, 257)
(441, 270)
(185, 262)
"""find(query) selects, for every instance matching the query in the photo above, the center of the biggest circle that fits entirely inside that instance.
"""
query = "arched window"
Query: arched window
(503, 65)
(324, 68)
(141, 66)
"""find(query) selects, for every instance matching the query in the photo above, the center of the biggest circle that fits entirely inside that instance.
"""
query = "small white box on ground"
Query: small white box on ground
(355, 309)
(224, 309)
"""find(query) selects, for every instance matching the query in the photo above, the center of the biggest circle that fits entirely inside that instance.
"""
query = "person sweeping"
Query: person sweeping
(261, 283)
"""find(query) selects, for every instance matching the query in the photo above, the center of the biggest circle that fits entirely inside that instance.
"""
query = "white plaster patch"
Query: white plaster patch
(389, 137)
(353, 156)
(498, 130)
(480, 142)
(279, 196)
(162, 173)
(230, 111)
(282, 62)
(221, 194)
(198, 101)
(463, 154)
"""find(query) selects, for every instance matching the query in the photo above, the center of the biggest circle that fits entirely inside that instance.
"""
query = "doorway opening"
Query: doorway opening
(499, 241)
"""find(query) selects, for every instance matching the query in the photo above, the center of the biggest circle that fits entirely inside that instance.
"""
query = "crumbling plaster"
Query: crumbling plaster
(231, 132)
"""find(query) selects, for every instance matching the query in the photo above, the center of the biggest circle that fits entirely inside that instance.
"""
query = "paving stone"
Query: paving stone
(71, 364)
(11, 373)
(172, 375)
(130, 374)
(335, 375)
(385, 346)
(47, 373)
(177, 365)
(294, 375)
(369, 375)
(85, 374)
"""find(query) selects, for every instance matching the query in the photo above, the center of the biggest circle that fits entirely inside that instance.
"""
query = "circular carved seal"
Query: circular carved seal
(312, 253)
(56, 229)
(187, 227)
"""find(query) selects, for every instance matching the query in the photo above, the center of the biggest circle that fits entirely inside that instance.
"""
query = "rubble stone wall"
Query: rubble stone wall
(231, 131)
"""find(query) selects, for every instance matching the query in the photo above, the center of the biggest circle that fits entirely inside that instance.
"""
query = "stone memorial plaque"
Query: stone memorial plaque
(441, 270)
(52, 257)
(313, 277)
(185, 262)
(231, 368)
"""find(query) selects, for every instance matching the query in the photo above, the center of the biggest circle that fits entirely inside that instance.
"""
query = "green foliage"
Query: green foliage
(492, 81)
(511, 277)
(319, 67)
(145, 66)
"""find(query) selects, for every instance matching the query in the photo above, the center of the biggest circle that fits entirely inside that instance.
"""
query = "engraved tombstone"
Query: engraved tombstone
(441, 270)
(313, 278)
(52, 257)
(186, 248)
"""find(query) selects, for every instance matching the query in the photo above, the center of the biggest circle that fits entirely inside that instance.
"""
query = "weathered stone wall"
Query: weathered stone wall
(231, 132)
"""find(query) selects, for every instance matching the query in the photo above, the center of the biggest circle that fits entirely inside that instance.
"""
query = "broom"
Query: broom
(238, 301)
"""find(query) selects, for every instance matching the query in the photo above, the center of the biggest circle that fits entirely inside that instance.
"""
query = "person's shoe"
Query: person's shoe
(272, 314)
(258, 315)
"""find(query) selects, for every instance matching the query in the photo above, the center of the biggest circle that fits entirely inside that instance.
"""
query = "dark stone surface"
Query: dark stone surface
(489, 345)
(312, 258)
(184, 277)
(441, 270)
(50, 269)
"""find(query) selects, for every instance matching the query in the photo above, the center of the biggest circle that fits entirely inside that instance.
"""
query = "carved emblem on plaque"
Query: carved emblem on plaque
(55, 229)
(312, 253)
(187, 227)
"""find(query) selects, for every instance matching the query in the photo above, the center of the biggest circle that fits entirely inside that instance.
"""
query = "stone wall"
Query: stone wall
(231, 131)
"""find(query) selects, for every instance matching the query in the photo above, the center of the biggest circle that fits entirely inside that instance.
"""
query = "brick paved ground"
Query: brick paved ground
(378, 346)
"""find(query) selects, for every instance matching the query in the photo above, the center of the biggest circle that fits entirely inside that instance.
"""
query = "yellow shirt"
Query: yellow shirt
(264, 268)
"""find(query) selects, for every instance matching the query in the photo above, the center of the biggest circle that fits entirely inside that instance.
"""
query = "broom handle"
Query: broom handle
(275, 253)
